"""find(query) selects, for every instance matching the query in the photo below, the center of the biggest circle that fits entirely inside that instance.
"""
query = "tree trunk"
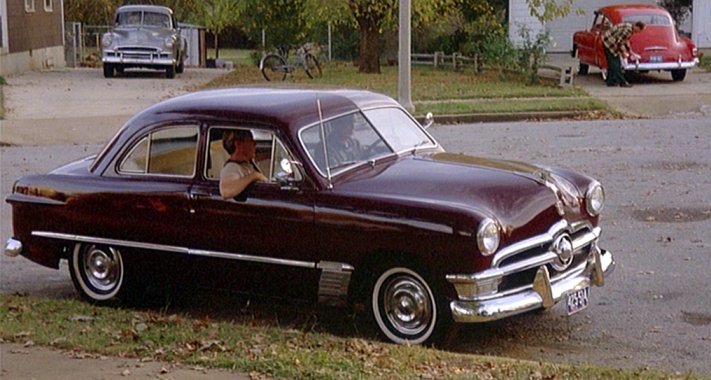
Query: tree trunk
(369, 57)
(217, 47)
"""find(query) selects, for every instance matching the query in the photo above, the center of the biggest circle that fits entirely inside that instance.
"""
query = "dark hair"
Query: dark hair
(229, 136)
(640, 24)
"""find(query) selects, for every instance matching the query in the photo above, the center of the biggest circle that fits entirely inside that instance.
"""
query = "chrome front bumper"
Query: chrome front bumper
(128, 58)
(544, 293)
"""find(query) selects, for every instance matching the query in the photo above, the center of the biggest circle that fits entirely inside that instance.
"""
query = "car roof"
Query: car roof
(281, 107)
(616, 12)
(151, 8)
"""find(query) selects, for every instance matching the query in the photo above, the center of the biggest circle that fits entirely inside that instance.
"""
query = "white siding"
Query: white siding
(520, 16)
(701, 23)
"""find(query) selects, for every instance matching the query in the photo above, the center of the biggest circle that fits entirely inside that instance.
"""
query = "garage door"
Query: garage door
(561, 30)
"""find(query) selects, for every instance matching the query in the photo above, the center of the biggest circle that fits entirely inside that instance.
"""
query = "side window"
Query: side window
(170, 151)
(269, 153)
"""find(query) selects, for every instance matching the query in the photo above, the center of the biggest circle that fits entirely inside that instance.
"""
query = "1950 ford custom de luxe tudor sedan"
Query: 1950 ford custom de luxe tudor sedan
(420, 236)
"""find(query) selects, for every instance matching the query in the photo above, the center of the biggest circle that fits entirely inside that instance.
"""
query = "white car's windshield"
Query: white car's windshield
(138, 18)
(358, 137)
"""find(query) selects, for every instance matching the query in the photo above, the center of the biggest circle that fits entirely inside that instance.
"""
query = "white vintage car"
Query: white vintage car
(143, 36)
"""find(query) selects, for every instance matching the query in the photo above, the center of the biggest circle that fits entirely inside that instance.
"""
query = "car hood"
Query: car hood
(515, 194)
(140, 36)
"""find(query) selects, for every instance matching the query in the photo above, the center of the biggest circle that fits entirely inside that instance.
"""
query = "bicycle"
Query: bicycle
(274, 65)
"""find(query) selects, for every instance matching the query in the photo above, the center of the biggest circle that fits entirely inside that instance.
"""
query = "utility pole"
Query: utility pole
(404, 92)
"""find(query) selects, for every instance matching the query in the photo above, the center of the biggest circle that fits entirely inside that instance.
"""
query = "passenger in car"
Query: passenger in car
(240, 170)
(342, 146)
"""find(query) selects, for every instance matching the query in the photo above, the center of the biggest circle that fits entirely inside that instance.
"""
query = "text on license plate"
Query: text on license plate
(578, 300)
(655, 58)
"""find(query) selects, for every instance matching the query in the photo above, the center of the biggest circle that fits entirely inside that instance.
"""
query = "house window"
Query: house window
(48, 5)
(29, 5)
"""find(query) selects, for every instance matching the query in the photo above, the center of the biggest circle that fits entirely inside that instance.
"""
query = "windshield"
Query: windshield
(136, 18)
(358, 137)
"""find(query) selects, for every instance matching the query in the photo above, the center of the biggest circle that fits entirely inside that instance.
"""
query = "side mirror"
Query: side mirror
(429, 120)
(287, 177)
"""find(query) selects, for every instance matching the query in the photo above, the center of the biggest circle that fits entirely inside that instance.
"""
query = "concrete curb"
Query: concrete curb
(505, 117)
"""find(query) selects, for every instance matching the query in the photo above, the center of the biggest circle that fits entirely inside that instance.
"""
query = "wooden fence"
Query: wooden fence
(564, 75)
(438, 59)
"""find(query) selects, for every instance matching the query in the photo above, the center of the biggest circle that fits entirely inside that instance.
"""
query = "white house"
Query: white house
(561, 30)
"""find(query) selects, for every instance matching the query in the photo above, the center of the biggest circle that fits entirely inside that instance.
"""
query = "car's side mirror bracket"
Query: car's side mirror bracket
(429, 120)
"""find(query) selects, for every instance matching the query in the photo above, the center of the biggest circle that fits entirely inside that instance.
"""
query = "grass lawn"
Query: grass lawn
(705, 61)
(282, 348)
(437, 90)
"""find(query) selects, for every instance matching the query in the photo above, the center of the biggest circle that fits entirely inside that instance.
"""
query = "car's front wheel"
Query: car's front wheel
(99, 273)
(108, 70)
(170, 72)
(404, 306)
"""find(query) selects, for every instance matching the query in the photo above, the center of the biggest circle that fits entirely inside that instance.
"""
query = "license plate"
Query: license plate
(578, 300)
(655, 58)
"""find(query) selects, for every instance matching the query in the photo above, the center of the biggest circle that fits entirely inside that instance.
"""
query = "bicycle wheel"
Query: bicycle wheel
(272, 67)
(312, 67)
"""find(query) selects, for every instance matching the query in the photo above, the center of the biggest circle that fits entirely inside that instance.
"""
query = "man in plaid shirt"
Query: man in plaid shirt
(616, 41)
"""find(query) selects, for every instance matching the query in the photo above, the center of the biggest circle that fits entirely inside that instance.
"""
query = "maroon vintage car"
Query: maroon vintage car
(659, 46)
(421, 236)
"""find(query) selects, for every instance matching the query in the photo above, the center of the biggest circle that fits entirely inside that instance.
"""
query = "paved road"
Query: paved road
(654, 311)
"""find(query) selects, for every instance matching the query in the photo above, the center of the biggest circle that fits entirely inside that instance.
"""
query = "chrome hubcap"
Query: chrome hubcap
(102, 268)
(406, 305)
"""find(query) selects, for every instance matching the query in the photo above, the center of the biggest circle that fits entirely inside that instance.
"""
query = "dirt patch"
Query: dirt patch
(676, 166)
(672, 215)
(696, 319)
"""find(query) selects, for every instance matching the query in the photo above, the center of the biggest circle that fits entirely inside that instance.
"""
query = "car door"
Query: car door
(146, 191)
(262, 240)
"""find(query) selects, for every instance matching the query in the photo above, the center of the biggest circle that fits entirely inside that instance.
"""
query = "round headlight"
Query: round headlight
(487, 237)
(595, 199)
(107, 39)
(169, 41)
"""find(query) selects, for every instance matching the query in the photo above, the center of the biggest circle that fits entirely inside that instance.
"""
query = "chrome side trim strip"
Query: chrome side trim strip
(250, 258)
(175, 249)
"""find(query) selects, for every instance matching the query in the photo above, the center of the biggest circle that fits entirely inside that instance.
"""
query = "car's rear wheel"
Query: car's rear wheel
(404, 306)
(583, 69)
(99, 273)
(108, 70)
(678, 75)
